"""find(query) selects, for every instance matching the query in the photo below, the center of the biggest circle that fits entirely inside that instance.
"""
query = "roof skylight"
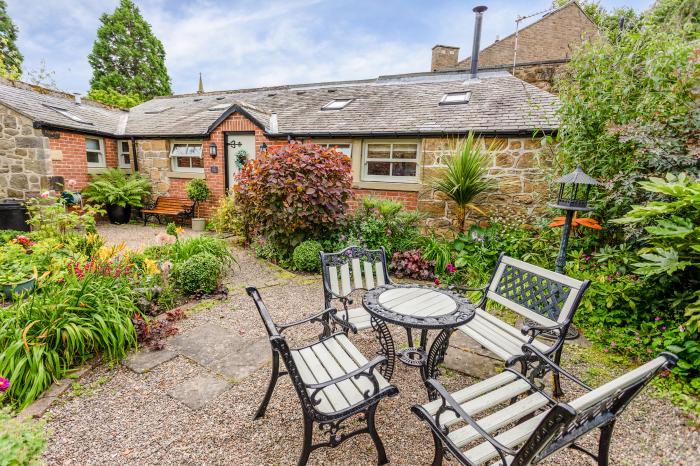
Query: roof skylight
(68, 114)
(157, 110)
(454, 98)
(336, 104)
(218, 107)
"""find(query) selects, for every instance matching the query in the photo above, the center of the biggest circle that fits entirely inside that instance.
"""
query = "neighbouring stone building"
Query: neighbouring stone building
(542, 47)
(398, 130)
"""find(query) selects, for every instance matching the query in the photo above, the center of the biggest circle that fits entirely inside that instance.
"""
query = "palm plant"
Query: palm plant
(466, 176)
(114, 187)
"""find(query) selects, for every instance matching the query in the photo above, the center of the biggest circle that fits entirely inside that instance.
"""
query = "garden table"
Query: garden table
(423, 308)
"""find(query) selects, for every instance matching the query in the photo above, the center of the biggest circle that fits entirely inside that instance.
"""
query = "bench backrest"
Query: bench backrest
(168, 202)
(351, 269)
(534, 292)
(567, 422)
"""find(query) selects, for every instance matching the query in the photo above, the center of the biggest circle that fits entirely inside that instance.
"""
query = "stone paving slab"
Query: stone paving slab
(247, 358)
(144, 361)
(206, 344)
(198, 391)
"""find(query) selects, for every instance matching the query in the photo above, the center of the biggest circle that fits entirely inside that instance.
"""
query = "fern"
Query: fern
(114, 187)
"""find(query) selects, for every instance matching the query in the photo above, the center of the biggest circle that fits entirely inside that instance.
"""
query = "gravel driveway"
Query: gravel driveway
(121, 417)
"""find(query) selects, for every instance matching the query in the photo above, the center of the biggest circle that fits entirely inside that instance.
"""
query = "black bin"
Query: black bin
(13, 215)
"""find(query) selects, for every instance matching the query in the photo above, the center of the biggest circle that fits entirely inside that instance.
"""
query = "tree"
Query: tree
(43, 76)
(607, 21)
(127, 58)
(114, 98)
(10, 58)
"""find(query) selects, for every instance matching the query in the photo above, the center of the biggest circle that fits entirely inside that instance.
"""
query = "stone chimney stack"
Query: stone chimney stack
(445, 57)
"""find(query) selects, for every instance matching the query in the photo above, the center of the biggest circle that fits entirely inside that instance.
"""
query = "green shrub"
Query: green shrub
(227, 217)
(306, 256)
(199, 273)
(158, 252)
(198, 190)
(21, 442)
(299, 192)
(182, 250)
(9, 235)
(381, 222)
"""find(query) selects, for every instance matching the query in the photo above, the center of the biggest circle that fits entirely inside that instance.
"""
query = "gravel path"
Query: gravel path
(136, 237)
(127, 418)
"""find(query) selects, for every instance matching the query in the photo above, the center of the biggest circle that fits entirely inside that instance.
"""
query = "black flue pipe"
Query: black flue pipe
(479, 12)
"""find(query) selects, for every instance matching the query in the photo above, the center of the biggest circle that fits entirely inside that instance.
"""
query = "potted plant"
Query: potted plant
(118, 192)
(17, 274)
(198, 191)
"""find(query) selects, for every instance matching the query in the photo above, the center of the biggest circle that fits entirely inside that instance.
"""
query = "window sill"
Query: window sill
(96, 170)
(387, 186)
(186, 175)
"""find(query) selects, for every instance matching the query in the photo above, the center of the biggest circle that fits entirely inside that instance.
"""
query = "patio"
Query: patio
(116, 415)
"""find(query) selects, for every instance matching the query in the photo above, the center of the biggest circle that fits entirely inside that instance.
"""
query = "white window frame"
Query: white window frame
(173, 158)
(390, 178)
(464, 98)
(336, 104)
(329, 143)
(120, 152)
(101, 153)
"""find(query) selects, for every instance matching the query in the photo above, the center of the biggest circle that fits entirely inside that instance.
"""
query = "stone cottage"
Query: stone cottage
(534, 53)
(397, 130)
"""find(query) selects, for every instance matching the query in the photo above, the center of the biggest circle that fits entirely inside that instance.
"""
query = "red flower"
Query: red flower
(437, 282)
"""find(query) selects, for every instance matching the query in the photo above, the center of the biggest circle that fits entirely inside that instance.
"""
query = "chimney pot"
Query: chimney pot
(76, 96)
(479, 16)
(445, 57)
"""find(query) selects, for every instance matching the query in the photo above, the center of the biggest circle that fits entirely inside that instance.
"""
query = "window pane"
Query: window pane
(378, 168)
(125, 146)
(93, 157)
(378, 151)
(405, 151)
(179, 149)
(194, 150)
(197, 162)
(198, 150)
(126, 159)
(183, 162)
(92, 144)
(403, 169)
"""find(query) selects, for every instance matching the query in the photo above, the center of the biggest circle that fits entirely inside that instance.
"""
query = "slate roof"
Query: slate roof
(43, 109)
(387, 106)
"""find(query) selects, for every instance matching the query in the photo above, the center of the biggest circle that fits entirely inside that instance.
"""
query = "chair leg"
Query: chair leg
(604, 444)
(381, 453)
(308, 436)
(558, 392)
(273, 381)
(439, 454)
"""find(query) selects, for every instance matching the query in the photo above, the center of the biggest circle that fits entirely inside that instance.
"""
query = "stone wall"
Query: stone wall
(25, 167)
(520, 168)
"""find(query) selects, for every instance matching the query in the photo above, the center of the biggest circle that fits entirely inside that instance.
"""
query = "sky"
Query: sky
(250, 43)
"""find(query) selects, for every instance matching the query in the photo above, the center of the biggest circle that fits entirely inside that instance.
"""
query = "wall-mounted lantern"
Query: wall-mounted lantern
(212, 150)
(263, 148)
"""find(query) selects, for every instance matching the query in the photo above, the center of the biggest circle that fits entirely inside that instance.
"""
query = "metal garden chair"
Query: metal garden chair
(346, 272)
(332, 378)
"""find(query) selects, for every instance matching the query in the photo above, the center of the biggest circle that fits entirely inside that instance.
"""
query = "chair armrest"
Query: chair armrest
(450, 404)
(342, 322)
(536, 330)
(530, 353)
(366, 370)
(314, 318)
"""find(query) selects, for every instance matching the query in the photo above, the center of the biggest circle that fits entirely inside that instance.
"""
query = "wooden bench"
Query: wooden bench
(333, 380)
(167, 206)
(357, 269)
(508, 420)
(546, 301)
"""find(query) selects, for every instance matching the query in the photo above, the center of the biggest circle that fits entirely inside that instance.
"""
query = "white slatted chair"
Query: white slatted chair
(346, 272)
(509, 420)
(333, 380)
(548, 300)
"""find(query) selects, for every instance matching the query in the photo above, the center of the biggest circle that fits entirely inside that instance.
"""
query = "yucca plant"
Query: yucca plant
(466, 176)
(115, 188)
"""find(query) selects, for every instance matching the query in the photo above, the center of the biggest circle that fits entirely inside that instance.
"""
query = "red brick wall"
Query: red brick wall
(409, 199)
(72, 163)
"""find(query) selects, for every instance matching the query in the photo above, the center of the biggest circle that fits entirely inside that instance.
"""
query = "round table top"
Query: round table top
(418, 306)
